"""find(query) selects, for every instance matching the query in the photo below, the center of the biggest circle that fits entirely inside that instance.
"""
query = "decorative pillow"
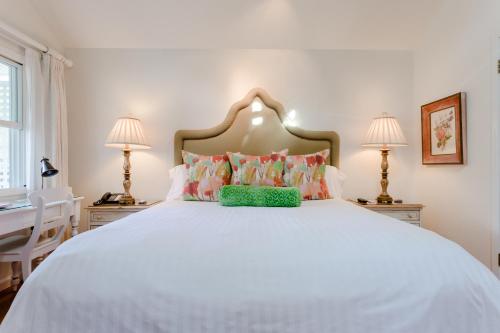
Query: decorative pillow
(258, 170)
(307, 172)
(206, 175)
(259, 196)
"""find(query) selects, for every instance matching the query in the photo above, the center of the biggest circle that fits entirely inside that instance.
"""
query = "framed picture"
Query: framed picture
(443, 130)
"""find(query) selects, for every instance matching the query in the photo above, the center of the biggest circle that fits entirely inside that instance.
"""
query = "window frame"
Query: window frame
(18, 141)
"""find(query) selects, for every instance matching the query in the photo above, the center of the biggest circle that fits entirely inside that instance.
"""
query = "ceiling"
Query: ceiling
(289, 24)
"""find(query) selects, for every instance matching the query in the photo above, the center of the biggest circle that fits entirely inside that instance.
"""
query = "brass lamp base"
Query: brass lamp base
(127, 198)
(384, 197)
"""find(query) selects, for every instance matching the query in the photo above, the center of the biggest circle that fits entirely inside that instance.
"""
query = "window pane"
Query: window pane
(8, 92)
(10, 172)
(4, 157)
(12, 143)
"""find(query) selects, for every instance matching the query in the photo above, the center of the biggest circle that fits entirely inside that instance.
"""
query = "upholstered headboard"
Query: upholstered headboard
(237, 133)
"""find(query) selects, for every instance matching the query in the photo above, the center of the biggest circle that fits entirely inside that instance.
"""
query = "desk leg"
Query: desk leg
(74, 225)
(16, 275)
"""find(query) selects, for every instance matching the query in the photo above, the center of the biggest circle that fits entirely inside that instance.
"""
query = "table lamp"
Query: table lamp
(384, 132)
(128, 135)
(46, 169)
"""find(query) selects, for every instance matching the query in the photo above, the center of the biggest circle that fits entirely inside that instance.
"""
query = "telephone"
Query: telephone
(109, 198)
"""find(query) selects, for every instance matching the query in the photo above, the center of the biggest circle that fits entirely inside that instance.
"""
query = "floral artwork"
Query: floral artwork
(443, 132)
(258, 170)
(307, 172)
(206, 175)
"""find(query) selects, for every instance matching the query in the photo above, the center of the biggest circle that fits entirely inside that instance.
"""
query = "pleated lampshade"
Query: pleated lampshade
(385, 131)
(127, 134)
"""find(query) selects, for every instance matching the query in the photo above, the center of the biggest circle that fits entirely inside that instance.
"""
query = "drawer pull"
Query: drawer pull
(108, 216)
(402, 215)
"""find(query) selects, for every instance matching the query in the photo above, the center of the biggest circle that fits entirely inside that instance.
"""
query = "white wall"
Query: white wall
(171, 90)
(22, 15)
(456, 55)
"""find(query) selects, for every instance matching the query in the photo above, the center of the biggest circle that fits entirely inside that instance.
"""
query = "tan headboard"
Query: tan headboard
(237, 133)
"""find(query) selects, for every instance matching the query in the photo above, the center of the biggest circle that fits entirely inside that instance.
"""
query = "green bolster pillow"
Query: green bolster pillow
(259, 196)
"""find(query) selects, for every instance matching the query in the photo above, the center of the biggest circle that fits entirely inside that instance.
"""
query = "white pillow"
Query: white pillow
(334, 180)
(178, 176)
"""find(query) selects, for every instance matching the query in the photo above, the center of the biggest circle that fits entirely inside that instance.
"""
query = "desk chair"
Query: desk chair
(53, 207)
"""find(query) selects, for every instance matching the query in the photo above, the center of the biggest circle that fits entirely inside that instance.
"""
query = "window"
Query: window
(12, 169)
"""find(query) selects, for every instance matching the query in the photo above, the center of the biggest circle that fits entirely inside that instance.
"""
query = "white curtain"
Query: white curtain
(56, 125)
(35, 117)
(46, 123)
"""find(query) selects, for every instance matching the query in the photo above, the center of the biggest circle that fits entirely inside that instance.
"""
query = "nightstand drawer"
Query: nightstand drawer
(403, 215)
(107, 216)
(408, 213)
(101, 215)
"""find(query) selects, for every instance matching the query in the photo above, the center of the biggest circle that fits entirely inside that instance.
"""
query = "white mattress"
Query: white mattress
(327, 266)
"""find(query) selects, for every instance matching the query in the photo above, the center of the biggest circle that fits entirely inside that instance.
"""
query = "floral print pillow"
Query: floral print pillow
(206, 175)
(258, 170)
(307, 172)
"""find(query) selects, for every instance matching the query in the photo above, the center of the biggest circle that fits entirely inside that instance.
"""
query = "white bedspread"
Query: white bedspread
(327, 266)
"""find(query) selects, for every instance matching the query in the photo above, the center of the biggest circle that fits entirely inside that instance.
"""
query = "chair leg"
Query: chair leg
(26, 267)
(16, 275)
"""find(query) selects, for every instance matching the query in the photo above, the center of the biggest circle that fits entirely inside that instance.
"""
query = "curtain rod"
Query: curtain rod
(20, 37)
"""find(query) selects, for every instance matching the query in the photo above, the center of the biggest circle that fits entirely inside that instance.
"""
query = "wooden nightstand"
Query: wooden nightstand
(409, 213)
(101, 215)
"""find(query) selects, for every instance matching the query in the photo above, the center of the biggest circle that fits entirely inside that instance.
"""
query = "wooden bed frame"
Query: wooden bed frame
(237, 133)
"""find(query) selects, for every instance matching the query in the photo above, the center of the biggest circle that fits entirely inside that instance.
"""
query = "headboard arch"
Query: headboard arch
(237, 133)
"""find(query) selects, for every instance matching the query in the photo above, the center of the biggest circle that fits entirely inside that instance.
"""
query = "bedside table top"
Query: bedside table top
(125, 207)
(403, 206)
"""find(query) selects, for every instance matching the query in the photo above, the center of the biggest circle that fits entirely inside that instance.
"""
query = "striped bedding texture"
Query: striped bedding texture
(189, 267)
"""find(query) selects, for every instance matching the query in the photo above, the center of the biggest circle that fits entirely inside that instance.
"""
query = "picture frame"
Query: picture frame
(444, 130)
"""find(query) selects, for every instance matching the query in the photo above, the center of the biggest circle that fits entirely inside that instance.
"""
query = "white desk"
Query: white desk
(17, 219)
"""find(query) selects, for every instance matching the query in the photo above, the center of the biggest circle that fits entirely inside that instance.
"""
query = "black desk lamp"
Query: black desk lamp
(46, 169)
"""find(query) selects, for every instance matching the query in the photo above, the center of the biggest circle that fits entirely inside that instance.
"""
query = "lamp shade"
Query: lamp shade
(384, 131)
(46, 169)
(127, 134)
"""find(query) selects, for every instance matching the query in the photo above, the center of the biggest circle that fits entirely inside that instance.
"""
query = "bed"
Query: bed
(327, 266)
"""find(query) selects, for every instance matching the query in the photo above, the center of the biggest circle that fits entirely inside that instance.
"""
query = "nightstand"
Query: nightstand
(104, 214)
(409, 213)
